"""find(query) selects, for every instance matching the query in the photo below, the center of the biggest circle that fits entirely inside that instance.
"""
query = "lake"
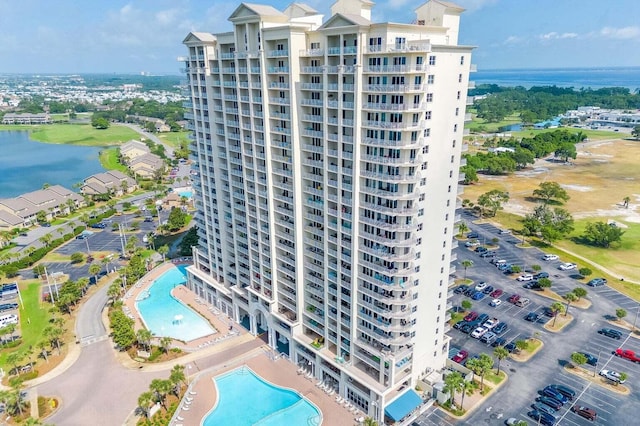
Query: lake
(26, 165)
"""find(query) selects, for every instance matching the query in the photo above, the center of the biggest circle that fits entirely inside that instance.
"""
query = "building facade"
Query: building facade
(327, 157)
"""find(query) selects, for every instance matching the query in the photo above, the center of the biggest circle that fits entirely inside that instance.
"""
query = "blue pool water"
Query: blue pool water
(244, 399)
(187, 194)
(158, 308)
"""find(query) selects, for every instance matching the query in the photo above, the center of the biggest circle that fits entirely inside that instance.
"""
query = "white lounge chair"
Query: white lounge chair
(193, 393)
(339, 399)
(179, 418)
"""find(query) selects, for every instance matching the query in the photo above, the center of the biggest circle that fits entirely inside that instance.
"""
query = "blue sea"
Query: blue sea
(594, 78)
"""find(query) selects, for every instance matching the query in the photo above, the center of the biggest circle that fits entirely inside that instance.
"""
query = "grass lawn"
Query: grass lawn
(593, 135)
(173, 138)
(494, 378)
(109, 160)
(480, 125)
(33, 319)
(77, 134)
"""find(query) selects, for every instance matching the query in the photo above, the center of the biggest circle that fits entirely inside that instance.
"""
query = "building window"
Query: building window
(421, 212)
(453, 157)
(461, 60)
(423, 166)
(455, 127)
(450, 173)
(427, 115)
(423, 181)
(429, 97)
(443, 257)
(454, 143)
(317, 46)
(425, 149)
(431, 78)
(418, 268)
(432, 60)
(418, 242)
(427, 133)
(459, 78)
(419, 60)
(457, 111)
(445, 231)
(421, 199)
(458, 95)
(449, 190)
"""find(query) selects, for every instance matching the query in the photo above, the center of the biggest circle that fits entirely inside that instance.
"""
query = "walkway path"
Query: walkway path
(167, 148)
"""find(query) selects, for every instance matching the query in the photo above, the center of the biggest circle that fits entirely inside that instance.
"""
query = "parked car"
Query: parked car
(550, 257)
(488, 254)
(478, 295)
(541, 275)
(543, 418)
(473, 243)
(500, 341)
(482, 318)
(627, 354)
(461, 289)
(459, 324)
(478, 332)
(568, 266)
(488, 337)
(460, 356)
(473, 235)
(532, 317)
(614, 376)
(532, 285)
(522, 302)
(597, 282)
(513, 298)
(543, 408)
(471, 316)
(495, 303)
(525, 277)
(548, 312)
(610, 332)
(554, 393)
(488, 289)
(481, 285)
(496, 293)
(551, 402)
(470, 291)
(586, 412)
(505, 232)
(500, 328)
(591, 360)
(565, 390)
(511, 346)
(481, 249)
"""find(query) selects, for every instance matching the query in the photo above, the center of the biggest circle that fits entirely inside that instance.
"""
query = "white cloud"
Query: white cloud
(557, 36)
(512, 40)
(624, 33)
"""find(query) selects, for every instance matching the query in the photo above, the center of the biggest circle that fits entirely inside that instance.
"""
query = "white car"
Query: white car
(495, 303)
(567, 266)
(550, 257)
(525, 277)
(478, 332)
(505, 232)
(614, 376)
(472, 243)
(481, 286)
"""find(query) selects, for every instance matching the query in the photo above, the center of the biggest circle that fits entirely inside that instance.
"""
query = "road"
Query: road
(168, 149)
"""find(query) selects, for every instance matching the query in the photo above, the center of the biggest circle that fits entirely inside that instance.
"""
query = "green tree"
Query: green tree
(160, 388)
(522, 345)
(602, 234)
(551, 225)
(467, 263)
(94, 269)
(556, 307)
(569, 298)
(480, 366)
(177, 219)
(462, 229)
(580, 292)
(144, 401)
(467, 387)
(566, 151)
(369, 421)
(470, 174)
(492, 201)
(466, 304)
(585, 272)
(536, 268)
(578, 358)
(545, 282)
(165, 343)
(77, 257)
(177, 377)
(636, 132)
(620, 314)
(625, 202)
(452, 383)
(551, 191)
(515, 269)
(500, 353)
(144, 336)
(100, 122)
(163, 250)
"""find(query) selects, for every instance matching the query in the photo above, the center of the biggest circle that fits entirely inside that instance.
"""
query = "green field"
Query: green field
(593, 135)
(479, 125)
(173, 138)
(109, 160)
(77, 134)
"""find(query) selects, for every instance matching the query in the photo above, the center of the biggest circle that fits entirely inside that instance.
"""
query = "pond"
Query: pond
(26, 164)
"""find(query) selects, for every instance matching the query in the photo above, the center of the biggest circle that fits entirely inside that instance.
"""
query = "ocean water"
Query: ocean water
(594, 78)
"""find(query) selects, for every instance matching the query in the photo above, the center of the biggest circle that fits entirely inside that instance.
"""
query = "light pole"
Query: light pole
(86, 241)
(635, 321)
(188, 374)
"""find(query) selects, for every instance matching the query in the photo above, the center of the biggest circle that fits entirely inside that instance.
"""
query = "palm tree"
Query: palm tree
(144, 337)
(500, 353)
(42, 345)
(467, 263)
(467, 388)
(369, 421)
(165, 342)
(163, 250)
(452, 383)
(579, 292)
(177, 378)
(481, 366)
(144, 400)
(522, 345)
(94, 269)
(556, 307)
(160, 388)
(462, 229)
(569, 297)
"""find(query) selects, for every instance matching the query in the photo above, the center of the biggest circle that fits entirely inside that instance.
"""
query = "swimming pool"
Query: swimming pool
(187, 194)
(165, 315)
(245, 399)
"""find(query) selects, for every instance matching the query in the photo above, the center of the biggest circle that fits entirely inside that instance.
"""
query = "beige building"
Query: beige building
(26, 118)
(147, 166)
(132, 149)
(53, 201)
(112, 182)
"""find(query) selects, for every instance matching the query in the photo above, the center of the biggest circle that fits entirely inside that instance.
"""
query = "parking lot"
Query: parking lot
(546, 367)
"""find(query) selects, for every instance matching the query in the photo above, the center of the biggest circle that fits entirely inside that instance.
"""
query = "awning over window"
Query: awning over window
(403, 405)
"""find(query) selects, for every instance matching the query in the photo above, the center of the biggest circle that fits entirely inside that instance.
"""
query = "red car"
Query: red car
(496, 293)
(471, 316)
(460, 357)
(514, 298)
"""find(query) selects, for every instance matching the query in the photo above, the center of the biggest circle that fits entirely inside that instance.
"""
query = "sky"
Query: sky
(132, 36)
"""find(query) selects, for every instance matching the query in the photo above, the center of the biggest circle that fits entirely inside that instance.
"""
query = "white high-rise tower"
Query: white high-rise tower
(327, 158)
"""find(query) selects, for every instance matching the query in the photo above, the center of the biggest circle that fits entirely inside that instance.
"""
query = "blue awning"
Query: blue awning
(403, 405)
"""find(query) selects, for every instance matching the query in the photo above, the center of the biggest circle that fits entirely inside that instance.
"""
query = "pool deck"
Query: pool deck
(202, 394)
(226, 328)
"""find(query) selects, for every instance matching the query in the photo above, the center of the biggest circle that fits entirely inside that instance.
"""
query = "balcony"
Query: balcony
(390, 160)
(398, 88)
(277, 53)
(278, 70)
(388, 143)
(401, 178)
(312, 52)
(410, 46)
(394, 68)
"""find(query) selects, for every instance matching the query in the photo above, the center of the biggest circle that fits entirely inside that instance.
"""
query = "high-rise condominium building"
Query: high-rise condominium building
(327, 155)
